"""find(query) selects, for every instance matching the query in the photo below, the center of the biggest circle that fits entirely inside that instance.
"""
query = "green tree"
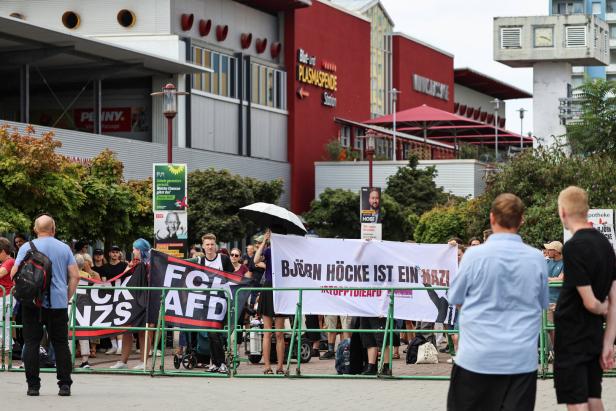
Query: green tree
(335, 214)
(439, 225)
(214, 200)
(414, 188)
(595, 132)
(35, 179)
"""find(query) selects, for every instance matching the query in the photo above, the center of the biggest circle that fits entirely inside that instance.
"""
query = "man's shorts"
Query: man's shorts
(331, 321)
(371, 340)
(471, 391)
(578, 382)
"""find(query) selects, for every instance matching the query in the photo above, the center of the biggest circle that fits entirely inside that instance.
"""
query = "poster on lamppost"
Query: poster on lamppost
(171, 232)
(169, 189)
(370, 213)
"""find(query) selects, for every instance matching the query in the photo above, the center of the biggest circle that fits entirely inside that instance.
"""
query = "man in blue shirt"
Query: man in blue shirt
(54, 313)
(502, 287)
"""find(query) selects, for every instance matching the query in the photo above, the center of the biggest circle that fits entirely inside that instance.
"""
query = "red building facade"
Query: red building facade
(327, 55)
(422, 74)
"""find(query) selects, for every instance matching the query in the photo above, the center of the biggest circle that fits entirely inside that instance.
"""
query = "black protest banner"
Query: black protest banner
(110, 307)
(192, 309)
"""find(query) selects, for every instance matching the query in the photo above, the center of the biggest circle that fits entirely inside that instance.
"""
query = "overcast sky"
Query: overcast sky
(464, 28)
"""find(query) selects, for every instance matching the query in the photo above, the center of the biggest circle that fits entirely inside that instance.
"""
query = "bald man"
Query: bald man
(54, 312)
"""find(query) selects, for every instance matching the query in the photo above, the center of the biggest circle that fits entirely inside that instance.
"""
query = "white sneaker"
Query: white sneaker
(212, 368)
(140, 366)
(223, 368)
(119, 351)
(119, 366)
(111, 351)
(451, 360)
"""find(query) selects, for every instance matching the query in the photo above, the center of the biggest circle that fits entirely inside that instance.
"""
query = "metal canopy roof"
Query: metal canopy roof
(23, 43)
(487, 85)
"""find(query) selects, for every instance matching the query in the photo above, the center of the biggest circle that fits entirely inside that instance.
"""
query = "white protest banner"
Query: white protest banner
(603, 221)
(326, 263)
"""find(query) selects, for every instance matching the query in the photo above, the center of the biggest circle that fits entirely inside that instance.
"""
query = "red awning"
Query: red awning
(440, 125)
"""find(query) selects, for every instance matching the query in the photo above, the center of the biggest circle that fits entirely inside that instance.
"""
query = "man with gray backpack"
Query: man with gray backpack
(40, 274)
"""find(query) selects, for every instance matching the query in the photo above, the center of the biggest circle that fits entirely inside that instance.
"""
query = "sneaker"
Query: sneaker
(32, 392)
(451, 360)
(85, 365)
(223, 368)
(119, 366)
(212, 368)
(370, 370)
(328, 355)
(119, 351)
(139, 366)
(65, 391)
(112, 351)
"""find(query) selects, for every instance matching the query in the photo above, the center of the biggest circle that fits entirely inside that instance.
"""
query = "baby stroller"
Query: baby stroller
(197, 351)
(253, 344)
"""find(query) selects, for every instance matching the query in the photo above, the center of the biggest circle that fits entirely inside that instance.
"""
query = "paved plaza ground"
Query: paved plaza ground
(95, 391)
(109, 392)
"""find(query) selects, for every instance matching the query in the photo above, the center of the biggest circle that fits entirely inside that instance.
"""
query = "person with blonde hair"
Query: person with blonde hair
(589, 273)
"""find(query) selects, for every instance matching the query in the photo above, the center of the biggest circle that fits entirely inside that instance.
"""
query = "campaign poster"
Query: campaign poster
(169, 190)
(370, 205)
(171, 232)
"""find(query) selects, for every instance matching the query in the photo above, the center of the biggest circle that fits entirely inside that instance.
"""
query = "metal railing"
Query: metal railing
(231, 331)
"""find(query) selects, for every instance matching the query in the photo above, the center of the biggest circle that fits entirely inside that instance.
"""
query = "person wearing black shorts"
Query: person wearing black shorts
(589, 274)
(373, 342)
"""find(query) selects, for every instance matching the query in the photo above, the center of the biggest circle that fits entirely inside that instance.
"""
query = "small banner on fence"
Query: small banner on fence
(110, 307)
(327, 263)
(192, 309)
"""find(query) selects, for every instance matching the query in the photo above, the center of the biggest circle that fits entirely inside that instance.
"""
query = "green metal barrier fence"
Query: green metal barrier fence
(296, 333)
(545, 359)
(231, 332)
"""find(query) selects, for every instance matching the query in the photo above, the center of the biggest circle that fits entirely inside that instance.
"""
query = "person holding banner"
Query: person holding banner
(266, 310)
(502, 288)
(140, 261)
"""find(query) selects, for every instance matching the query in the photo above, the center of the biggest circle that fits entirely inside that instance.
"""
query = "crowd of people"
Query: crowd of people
(496, 300)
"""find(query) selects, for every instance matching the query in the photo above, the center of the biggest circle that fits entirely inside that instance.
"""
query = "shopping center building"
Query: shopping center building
(271, 82)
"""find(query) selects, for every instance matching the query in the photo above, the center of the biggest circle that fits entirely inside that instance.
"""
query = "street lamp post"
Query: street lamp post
(170, 100)
(394, 98)
(370, 145)
(521, 110)
(496, 107)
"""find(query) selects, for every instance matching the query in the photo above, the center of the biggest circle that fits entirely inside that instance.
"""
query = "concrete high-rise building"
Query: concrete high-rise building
(603, 9)
(551, 45)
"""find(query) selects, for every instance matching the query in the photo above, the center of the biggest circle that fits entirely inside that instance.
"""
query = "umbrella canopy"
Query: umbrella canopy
(441, 125)
(278, 219)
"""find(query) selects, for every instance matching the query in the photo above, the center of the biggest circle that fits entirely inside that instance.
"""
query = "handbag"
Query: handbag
(427, 354)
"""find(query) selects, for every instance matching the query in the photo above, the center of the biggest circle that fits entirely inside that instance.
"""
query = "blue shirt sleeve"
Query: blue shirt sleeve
(461, 282)
(70, 258)
(22, 253)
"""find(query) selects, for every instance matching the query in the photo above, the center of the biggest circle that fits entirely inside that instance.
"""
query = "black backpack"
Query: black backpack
(33, 278)
(413, 348)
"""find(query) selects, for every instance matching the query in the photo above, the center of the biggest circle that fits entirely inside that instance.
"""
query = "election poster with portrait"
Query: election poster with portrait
(171, 232)
(370, 205)
(331, 265)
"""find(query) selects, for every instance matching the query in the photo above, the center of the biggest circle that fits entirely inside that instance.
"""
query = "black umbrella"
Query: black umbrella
(278, 219)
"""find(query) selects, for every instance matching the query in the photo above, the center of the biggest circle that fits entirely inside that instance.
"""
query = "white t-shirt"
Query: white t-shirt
(216, 263)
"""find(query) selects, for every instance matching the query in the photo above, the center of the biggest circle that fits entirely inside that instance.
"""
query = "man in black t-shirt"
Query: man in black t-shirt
(115, 266)
(589, 272)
